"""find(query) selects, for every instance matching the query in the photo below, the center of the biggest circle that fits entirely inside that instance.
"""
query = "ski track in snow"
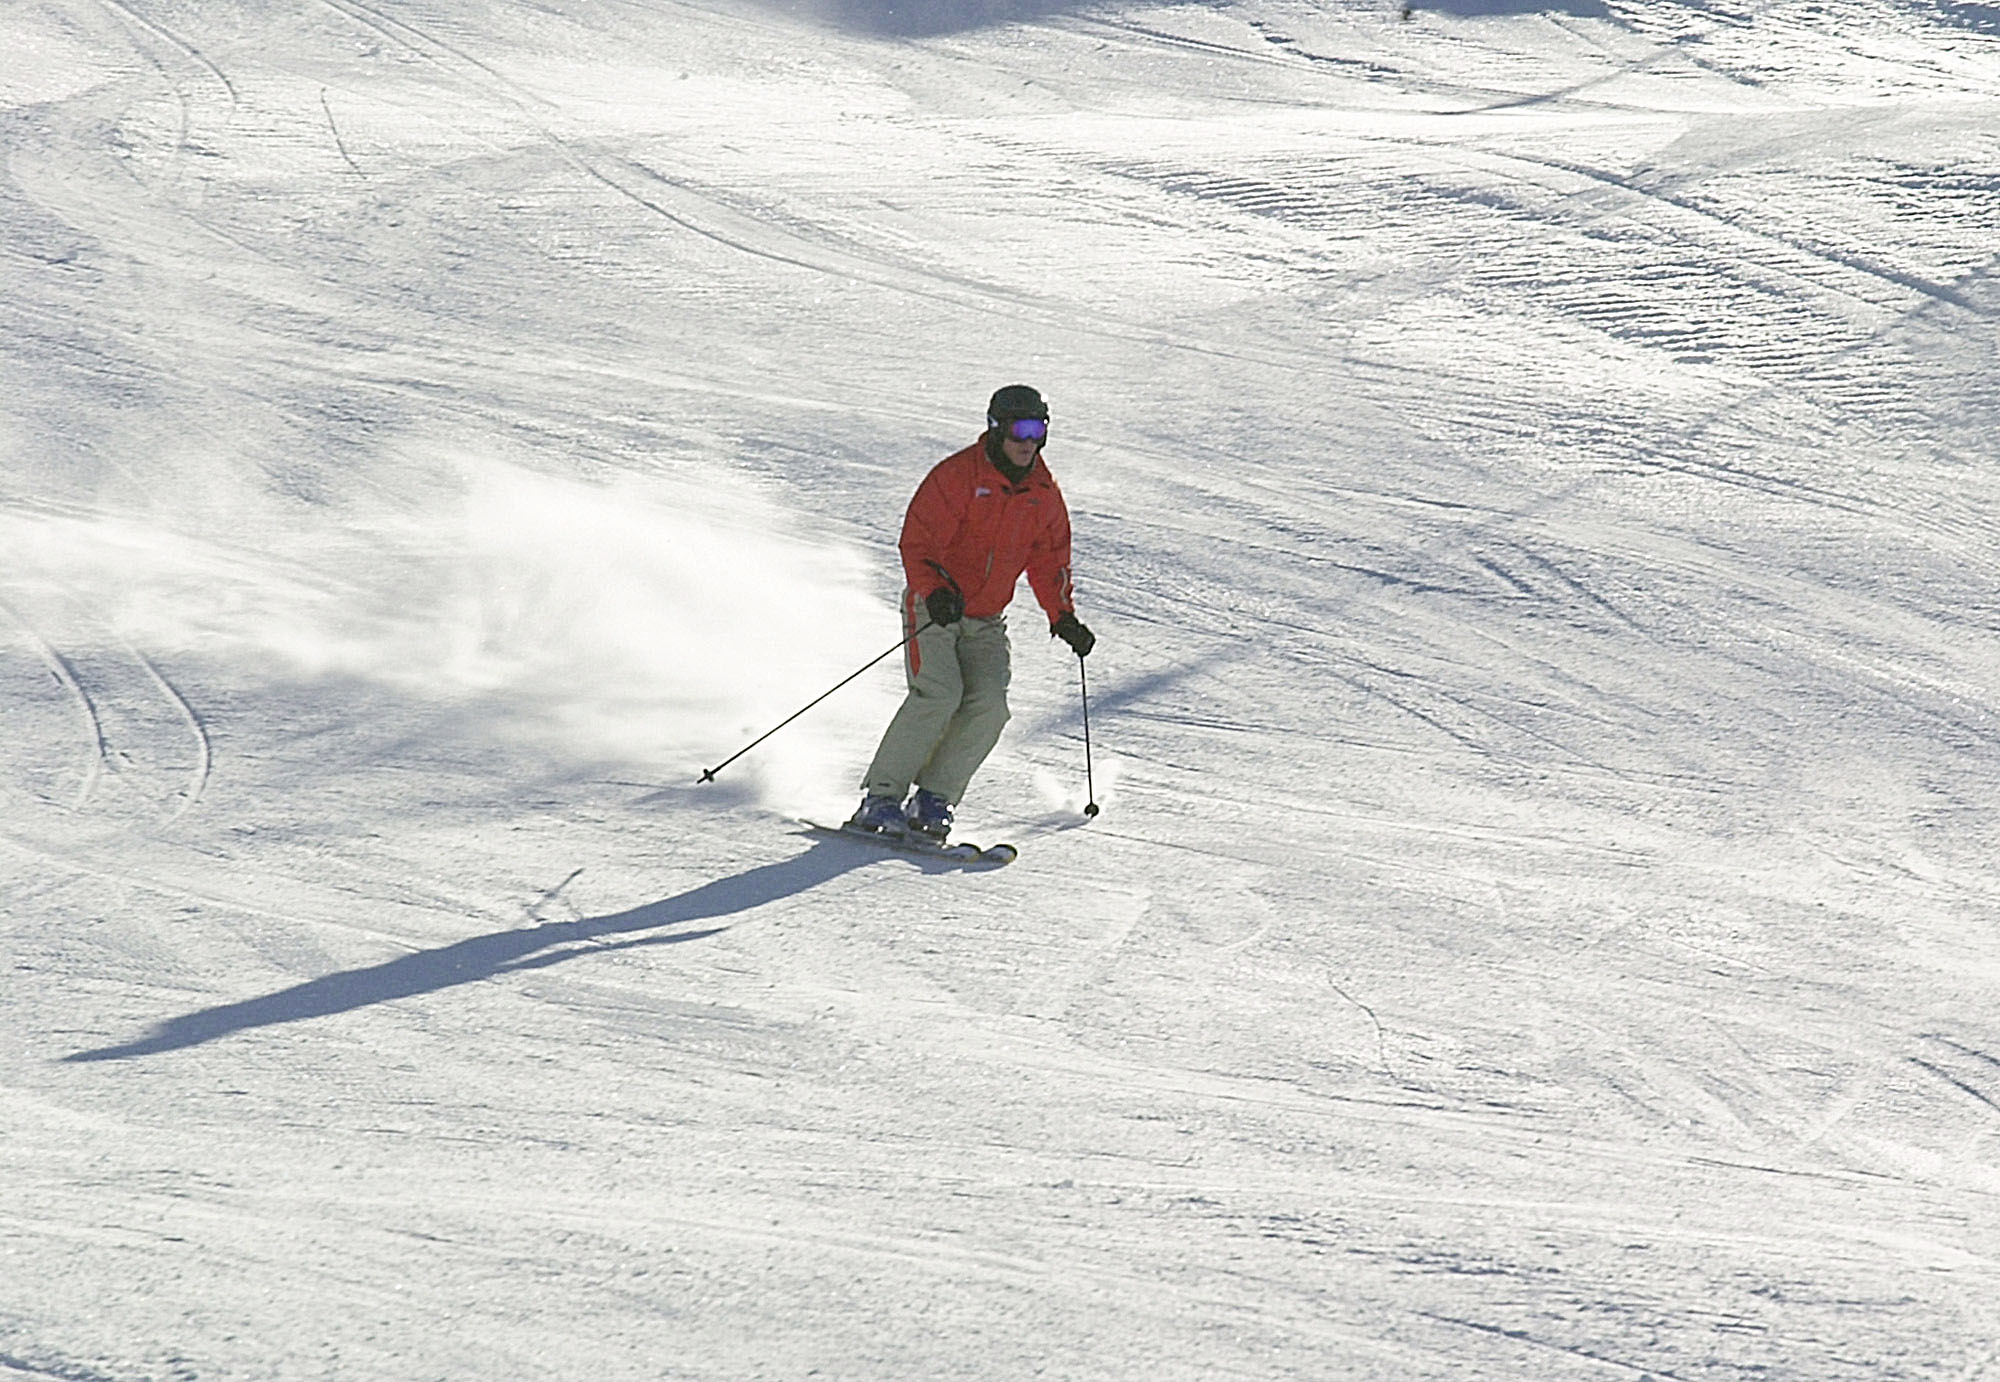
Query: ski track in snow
(116, 697)
(59, 667)
(1533, 481)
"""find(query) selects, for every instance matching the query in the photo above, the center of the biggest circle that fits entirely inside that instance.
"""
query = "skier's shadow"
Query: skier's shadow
(483, 957)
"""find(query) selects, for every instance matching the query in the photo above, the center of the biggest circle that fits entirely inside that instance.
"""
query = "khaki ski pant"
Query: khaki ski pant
(955, 709)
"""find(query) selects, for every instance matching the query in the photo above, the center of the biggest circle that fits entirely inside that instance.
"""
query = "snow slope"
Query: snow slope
(1533, 471)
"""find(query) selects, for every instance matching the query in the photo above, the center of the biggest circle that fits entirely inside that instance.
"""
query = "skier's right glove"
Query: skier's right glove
(945, 605)
(1070, 630)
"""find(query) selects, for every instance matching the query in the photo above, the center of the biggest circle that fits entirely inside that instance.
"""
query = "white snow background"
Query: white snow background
(1533, 469)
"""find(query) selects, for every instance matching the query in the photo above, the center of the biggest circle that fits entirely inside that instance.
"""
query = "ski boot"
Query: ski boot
(929, 816)
(880, 816)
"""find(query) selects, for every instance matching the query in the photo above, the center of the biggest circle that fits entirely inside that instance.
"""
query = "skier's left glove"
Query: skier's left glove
(945, 606)
(1070, 630)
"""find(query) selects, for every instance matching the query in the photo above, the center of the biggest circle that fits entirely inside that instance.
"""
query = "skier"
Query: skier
(979, 519)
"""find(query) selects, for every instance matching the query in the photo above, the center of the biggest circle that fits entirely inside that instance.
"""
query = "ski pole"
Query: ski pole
(708, 774)
(1089, 780)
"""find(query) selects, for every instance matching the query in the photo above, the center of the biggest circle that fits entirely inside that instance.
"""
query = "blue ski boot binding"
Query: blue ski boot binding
(929, 816)
(880, 816)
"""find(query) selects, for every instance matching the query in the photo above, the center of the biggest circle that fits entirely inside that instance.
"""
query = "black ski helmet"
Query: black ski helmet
(1012, 403)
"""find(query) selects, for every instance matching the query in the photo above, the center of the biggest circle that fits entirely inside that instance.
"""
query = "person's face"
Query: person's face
(1020, 451)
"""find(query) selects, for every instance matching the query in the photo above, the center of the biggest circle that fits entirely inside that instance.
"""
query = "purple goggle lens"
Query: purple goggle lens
(1028, 429)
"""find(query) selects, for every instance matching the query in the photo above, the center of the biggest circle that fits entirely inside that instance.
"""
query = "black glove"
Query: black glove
(1070, 630)
(945, 605)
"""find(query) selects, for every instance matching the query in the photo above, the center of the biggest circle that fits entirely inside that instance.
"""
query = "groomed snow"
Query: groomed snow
(1534, 475)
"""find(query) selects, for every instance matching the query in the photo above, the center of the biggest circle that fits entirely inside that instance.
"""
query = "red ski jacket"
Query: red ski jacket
(970, 527)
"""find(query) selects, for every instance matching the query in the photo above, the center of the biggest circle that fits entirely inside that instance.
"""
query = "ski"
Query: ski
(956, 852)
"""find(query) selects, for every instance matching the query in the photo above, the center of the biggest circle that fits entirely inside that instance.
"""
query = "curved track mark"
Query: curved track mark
(420, 43)
(204, 748)
(169, 36)
(334, 129)
(64, 674)
(1962, 1086)
(1568, 1350)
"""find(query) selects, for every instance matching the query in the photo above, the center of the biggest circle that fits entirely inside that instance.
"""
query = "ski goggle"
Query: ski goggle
(1027, 428)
